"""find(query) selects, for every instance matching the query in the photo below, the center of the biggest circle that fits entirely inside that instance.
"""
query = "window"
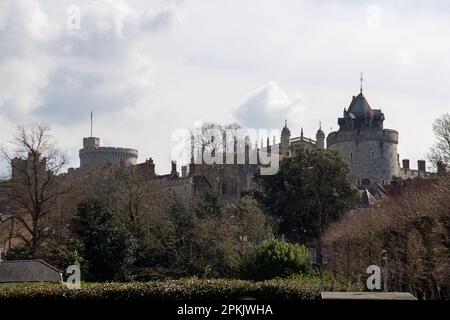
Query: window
(312, 255)
(373, 154)
(366, 182)
(351, 155)
(223, 189)
(324, 257)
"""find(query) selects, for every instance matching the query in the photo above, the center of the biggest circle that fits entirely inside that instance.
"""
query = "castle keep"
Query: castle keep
(93, 155)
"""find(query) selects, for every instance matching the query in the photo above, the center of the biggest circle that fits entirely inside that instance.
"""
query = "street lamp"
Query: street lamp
(385, 270)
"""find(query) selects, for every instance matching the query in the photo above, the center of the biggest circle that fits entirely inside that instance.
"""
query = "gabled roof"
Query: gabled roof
(28, 271)
(199, 179)
(359, 106)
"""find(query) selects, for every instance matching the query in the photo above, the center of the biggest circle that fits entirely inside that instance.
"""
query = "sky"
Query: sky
(149, 67)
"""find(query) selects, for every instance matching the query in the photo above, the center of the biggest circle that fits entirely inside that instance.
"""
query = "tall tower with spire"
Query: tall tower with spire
(320, 138)
(285, 142)
(362, 142)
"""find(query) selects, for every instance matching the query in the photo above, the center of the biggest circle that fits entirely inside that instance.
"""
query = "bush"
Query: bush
(275, 258)
(303, 288)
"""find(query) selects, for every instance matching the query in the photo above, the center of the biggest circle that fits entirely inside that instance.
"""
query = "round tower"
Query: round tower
(285, 140)
(93, 155)
(368, 149)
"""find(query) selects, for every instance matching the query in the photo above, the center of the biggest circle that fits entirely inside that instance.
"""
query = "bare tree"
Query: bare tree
(34, 186)
(440, 152)
(217, 140)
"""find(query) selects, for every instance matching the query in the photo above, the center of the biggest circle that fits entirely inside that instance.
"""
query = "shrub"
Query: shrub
(275, 258)
(301, 288)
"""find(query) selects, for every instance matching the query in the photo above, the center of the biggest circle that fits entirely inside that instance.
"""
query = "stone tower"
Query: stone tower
(369, 150)
(320, 138)
(285, 140)
(92, 154)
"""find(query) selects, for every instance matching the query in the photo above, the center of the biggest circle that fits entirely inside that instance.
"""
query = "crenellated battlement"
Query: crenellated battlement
(92, 154)
(384, 135)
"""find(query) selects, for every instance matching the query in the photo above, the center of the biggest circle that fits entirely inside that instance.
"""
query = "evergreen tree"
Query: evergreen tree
(107, 243)
(311, 190)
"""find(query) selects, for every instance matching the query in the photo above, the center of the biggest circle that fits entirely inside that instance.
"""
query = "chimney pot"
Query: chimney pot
(174, 167)
(405, 163)
(421, 165)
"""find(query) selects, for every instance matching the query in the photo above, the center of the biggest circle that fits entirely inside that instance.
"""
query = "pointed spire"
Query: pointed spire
(361, 79)
(285, 130)
(92, 116)
(301, 133)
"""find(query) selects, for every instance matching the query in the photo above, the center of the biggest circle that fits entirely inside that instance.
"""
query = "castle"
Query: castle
(364, 144)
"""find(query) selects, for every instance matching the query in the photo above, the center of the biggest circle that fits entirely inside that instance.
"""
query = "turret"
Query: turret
(285, 140)
(320, 138)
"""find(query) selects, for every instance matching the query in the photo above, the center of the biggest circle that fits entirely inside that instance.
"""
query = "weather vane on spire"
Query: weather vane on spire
(361, 79)
(91, 121)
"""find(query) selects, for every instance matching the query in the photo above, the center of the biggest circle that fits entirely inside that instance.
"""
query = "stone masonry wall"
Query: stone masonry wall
(370, 154)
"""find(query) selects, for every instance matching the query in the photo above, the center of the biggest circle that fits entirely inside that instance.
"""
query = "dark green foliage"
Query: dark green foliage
(67, 253)
(209, 205)
(275, 258)
(299, 288)
(107, 243)
(311, 190)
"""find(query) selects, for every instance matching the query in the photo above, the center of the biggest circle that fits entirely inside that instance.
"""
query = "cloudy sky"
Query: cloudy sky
(148, 67)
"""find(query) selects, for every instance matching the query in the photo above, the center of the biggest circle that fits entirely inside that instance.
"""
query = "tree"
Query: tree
(108, 246)
(440, 152)
(209, 205)
(311, 190)
(216, 140)
(34, 187)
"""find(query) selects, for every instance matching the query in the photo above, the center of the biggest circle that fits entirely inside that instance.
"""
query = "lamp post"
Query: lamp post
(385, 270)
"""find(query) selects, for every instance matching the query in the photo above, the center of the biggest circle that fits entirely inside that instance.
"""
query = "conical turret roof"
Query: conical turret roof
(286, 130)
(359, 106)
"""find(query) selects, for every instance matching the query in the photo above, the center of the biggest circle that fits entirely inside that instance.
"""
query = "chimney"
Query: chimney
(405, 163)
(421, 165)
(184, 171)
(150, 167)
(191, 169)
(441, 168)
(174, 168)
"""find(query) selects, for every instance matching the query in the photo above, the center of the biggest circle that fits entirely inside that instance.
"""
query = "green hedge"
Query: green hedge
(305, 288)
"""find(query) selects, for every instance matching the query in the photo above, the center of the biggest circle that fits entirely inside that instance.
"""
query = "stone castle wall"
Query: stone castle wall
(103, 155)
(371, 154)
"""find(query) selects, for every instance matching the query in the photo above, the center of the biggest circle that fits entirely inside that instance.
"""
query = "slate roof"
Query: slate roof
(359, 106)
(28, 271)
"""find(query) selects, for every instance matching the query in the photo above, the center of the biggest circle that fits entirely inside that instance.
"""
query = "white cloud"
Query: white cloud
(269, 106)
(149, 66)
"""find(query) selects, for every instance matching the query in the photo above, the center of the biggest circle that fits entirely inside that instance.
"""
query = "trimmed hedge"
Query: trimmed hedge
(303, 288)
